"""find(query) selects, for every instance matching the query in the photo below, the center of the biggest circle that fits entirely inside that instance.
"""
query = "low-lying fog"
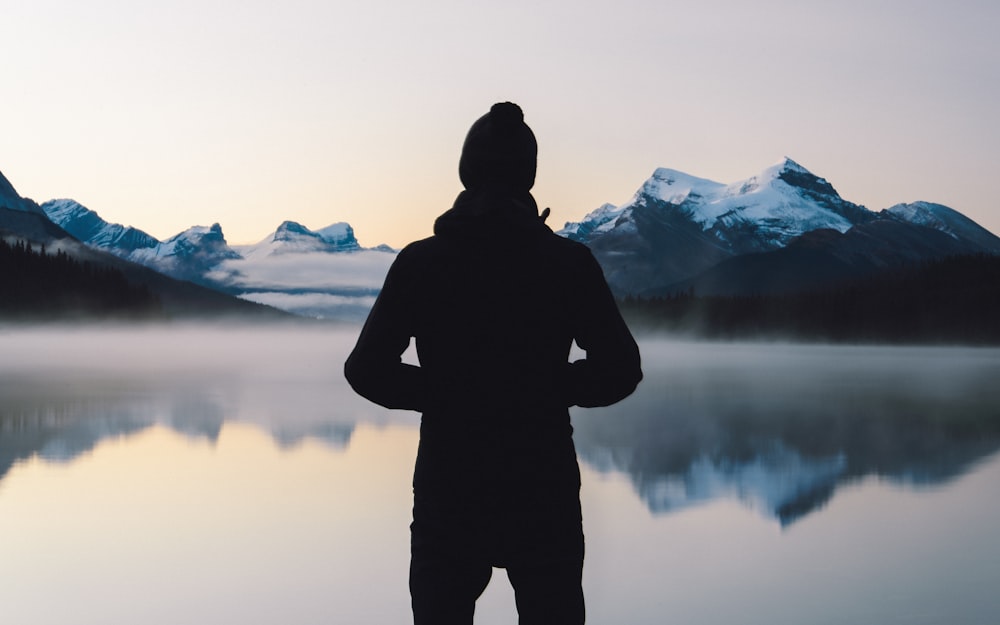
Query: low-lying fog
(179, 473)
(777, 426)
(286, 378)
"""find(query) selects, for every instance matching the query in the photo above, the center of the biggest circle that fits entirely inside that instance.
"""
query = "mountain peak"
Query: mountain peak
(293, 237)
(9, 198)
(677, 224)
(68, 213)
(798, 177)
(341, 232)
(290, 228)
(199, 241)
(599, 219)
(787, 164)
(947, 220)
(90, 228)
(214, 230)
(7, 189)
(786, 169)
(675, 187)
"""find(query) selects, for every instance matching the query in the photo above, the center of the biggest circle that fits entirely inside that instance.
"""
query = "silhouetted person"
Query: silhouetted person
(494, 301)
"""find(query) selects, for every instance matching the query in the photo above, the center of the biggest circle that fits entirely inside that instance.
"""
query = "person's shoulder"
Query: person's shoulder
(571, 260)
(420, 253)
(416, 248)
(566, 246)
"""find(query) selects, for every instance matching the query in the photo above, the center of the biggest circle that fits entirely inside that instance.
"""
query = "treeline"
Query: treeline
(952, 300)
(35, 284)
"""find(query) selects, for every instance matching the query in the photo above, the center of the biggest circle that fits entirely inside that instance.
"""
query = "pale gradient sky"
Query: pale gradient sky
(164, 115)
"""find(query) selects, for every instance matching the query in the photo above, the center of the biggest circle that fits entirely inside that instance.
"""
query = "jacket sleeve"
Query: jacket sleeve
(375, 369)
(612, 368)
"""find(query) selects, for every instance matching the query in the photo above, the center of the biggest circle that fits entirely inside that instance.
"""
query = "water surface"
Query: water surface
(228, 475)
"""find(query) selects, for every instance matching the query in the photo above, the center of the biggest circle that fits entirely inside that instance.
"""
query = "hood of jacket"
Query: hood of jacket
(489, 216)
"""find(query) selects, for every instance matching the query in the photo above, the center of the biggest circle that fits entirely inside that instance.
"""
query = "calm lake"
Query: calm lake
(227, 474)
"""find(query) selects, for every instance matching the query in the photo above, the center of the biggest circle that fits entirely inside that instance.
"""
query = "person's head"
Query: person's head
(500, 152)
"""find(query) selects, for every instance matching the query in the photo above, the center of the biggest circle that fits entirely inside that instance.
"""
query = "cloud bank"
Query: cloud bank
(317, 284)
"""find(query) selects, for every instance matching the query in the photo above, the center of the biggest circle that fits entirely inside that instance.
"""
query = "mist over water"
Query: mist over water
(779, 426)
(279, 376)
(731, 465)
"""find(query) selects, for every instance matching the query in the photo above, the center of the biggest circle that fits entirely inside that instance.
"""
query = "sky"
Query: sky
(166, 115)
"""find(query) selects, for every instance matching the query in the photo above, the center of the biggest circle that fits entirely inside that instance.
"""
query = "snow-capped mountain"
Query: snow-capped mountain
(678, 226)
(321, 273)
(186, 256)
(782, 229)
(23, 219)
(317, 273)
(902, 235)
(949, 221)
(88, 226)
(294, 238)
(763, 212)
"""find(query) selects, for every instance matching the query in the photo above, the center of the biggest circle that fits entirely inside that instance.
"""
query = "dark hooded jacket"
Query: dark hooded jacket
(494, 301)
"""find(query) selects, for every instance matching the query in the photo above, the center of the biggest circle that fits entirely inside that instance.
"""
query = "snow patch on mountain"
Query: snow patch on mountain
(317, 273)
(294, 238)
(188, 255)
(341, 234)
(770, 200)
(677, 225)
(88, 226)
(924, 213)
(677, 188)
(598, 220)
(780, 203)
(947, 220)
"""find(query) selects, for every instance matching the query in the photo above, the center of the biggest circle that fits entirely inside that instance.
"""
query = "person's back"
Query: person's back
(494, 301)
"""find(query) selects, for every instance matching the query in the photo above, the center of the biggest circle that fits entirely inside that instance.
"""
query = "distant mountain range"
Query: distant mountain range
(783, 230)
(23, 219)
(294, 268)
(195, 253)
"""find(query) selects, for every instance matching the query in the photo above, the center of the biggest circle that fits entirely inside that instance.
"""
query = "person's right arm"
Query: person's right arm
(375, 369)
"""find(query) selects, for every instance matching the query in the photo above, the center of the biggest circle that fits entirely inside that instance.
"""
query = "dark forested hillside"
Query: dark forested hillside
(951, 300)
(36, 284)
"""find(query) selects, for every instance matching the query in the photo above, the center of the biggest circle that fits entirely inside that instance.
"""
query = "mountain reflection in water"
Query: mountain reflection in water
(778, 427)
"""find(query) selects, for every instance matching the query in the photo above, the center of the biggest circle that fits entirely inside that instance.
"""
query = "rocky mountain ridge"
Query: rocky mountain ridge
(678, 227)
(784, 229)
